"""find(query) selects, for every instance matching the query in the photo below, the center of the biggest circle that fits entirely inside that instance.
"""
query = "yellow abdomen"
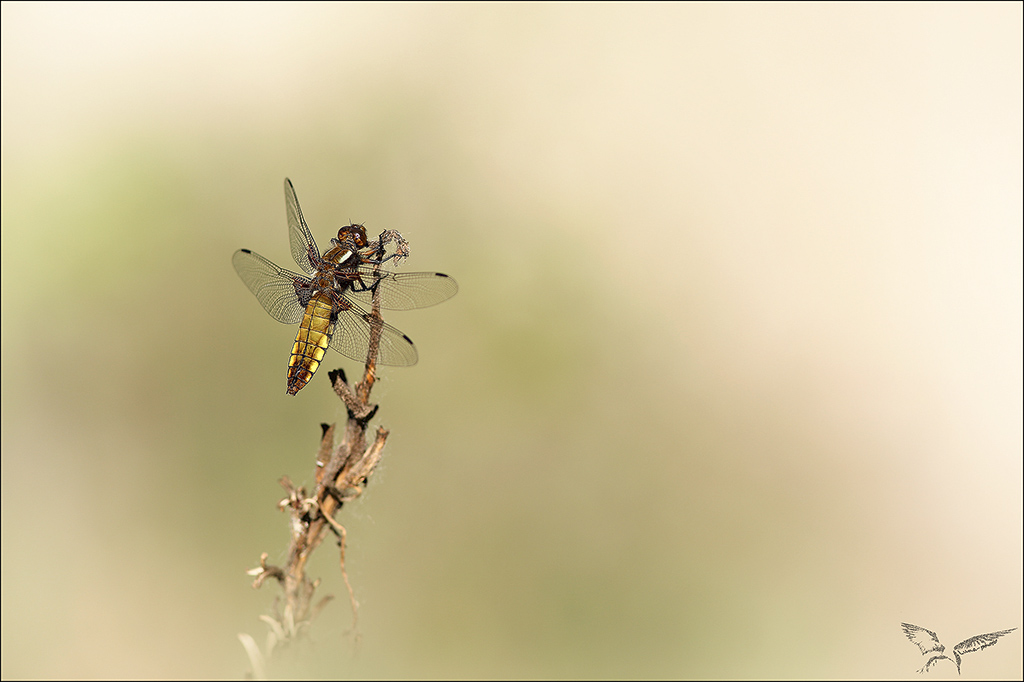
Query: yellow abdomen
(310, 342)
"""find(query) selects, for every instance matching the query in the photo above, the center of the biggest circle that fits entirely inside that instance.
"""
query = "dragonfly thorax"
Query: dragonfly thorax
(344, 248)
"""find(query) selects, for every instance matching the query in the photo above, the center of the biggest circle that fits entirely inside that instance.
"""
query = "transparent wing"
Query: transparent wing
(351, 338)
(298, 233)
(403, 290)
(933, 661)
(926, 640)
(980, 642)
(279, 291)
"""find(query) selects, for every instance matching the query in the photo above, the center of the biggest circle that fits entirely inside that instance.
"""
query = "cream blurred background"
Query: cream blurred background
(731, 388)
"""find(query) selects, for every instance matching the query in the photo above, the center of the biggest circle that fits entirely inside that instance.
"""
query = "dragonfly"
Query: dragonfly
(330, 301)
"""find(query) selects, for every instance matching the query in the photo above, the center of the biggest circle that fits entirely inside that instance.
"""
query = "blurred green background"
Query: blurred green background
(731, 388)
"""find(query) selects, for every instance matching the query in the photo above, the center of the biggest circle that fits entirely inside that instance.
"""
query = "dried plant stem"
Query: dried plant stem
(341, 472)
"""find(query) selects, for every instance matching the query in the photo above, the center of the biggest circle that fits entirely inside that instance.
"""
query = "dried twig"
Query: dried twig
(341, 473)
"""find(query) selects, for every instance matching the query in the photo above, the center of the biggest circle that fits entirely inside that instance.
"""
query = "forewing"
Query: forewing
(980, 642)
(403, 290)
(273, 286)
(351, 338)
(298, 233)
(925, 639)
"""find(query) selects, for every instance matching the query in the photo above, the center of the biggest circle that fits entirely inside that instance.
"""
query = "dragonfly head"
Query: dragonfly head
(353, 237)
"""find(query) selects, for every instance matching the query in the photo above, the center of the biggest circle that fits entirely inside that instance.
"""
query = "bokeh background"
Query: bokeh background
(731, 388)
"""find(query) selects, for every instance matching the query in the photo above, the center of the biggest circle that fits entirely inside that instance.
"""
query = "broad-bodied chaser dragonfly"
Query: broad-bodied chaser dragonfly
(330, 305)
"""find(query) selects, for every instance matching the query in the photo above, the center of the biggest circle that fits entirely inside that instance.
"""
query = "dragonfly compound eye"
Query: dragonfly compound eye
(355, 234)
